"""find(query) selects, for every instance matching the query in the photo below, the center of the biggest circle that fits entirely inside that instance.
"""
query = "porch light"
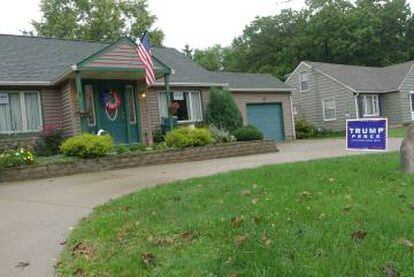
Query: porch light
(143, 95)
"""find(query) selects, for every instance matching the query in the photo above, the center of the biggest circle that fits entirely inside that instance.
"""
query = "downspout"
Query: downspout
(293, 117)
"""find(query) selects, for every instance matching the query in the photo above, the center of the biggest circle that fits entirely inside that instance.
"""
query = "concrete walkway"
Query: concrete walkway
(36, 216)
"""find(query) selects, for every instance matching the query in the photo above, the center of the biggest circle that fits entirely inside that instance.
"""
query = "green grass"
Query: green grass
(398, 132)
(348, 216)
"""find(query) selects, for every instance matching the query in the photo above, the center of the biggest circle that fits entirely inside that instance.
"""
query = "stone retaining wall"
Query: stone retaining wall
(138, 159)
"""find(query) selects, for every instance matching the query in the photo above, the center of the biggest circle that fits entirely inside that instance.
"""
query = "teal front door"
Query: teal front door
(268, 118)
(116, 110)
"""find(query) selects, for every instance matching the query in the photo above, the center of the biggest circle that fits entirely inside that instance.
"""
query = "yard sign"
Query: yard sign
(367, 134)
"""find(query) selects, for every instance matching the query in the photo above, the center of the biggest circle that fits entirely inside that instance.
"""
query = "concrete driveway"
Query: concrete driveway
(36, 216)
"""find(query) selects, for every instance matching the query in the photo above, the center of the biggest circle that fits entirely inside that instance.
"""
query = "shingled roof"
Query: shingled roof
(36, 60)
(40, 60)
(365, 79)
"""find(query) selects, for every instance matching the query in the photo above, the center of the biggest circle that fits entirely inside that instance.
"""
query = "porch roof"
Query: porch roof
(45, 61)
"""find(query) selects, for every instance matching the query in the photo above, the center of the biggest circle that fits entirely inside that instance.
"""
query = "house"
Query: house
(327, 94)
(82, 86)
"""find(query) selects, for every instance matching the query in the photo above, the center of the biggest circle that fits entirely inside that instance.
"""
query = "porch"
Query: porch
(111, 94)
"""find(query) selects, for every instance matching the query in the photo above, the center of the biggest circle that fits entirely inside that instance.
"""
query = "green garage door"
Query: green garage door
(268, 118)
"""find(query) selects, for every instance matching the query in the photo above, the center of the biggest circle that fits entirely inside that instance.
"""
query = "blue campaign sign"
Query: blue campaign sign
(367, 134)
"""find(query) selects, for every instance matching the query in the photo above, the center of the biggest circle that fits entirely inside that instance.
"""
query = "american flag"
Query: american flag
(145, 55)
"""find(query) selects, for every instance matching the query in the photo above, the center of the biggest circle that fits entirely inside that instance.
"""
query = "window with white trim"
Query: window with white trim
(370, 104)
(304, 81)
(329, 110)
(90, 105)
(20, 111)
(186, 106)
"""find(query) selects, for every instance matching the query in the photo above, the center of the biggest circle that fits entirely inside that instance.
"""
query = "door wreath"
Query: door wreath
(111, 101)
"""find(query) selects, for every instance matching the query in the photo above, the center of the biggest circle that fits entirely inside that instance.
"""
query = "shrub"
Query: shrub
(222, 111)
(87, 146)
(49, 141)
(12, 158)
(220, 135)
(186, 137)
(248, 133)
(303, 128)
(137, 147)
(122, 149)
(158, 136)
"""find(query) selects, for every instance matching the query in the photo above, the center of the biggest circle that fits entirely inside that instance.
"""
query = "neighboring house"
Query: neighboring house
(328, 94)
(81, 86)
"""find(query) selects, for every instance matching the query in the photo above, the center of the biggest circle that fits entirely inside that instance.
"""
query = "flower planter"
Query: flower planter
(138, 159)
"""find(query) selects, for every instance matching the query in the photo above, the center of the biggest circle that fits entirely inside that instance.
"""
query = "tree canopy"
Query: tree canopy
(361, 32)
(98, 20)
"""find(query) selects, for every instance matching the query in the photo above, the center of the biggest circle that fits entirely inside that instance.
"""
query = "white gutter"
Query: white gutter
(181, 84)
(26, 83)
(261, 89)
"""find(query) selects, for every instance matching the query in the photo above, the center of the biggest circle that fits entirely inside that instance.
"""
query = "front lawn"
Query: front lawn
(337, 217)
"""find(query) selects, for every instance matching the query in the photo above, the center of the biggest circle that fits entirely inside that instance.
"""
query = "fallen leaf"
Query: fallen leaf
(257, 219)
(62, 242)
(390, 270)
(266, 241)
(246, 192)
(161, 241)
(412, 207)
(407, 243)
(331, 180)
(255, 201)
(148, 259)
(359, 235)
(83, 249)
(240, 240)
(188, 236)
(22, 265)
(236, 221)
(233, 274)
(347, 208)
(79, 272)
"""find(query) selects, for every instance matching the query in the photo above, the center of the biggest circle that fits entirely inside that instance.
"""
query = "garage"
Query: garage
(268, 118)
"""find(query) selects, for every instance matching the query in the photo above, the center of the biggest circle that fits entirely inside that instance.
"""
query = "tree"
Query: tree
(210, 58)
(222, 111)
(97, 20)
(361, 32)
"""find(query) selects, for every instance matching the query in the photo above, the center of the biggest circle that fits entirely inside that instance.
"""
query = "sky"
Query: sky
(199, 23)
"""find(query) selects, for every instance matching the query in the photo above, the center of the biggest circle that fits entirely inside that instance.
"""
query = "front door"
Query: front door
(412, 104)
(111, 109)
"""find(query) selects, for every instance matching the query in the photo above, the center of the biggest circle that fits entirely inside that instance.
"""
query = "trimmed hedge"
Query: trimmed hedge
(187, 137)
(248, 133)
(87, 146)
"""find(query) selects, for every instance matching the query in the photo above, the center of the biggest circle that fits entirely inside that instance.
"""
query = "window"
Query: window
(20, 111)
(370, 105)
(329, 110)
(186, 105)
(90, 105)
(303, 81)
(132, 115)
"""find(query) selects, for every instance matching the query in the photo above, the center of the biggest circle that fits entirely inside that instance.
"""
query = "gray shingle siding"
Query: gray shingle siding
(404, 107)
(321, 88)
